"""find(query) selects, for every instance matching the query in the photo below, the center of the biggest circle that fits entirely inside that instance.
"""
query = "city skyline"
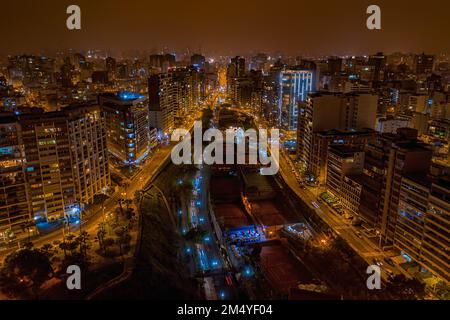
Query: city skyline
(228, 151)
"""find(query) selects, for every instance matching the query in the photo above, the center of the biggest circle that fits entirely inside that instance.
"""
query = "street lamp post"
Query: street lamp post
(379, 235)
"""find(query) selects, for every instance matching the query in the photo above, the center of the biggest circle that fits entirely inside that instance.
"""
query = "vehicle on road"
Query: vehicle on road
(377, 262)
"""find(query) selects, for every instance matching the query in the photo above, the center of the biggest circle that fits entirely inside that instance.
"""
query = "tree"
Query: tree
(123, 237)
(137, 196)
(406, 289)
(25, 270)
(101, 198)
(101, 233)
(107, 242)
(84, 243)
(49, 250)
(70, 244)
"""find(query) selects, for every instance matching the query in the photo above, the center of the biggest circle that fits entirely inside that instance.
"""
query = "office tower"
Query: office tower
(423, 64)
(89, 153)
(15, 210)
(127, 120)
(327, 118)
(295, 85)
(422, 225)
(162, 100)
(378, 62)
(198, 61)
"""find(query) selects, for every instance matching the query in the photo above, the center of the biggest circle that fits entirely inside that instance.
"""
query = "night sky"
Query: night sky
(227, 27)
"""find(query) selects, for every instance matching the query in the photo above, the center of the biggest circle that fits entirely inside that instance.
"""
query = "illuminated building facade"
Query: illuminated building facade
(15, 201)
(89, 153)
(423, 225)
(66, 160)
(162, 100)
(127, 121)
(343, 161)
(49, 165)
(333, 118)
(294, 86)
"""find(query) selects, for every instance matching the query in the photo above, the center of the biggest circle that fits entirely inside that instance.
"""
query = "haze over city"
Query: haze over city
(233, 154)
(231, 27)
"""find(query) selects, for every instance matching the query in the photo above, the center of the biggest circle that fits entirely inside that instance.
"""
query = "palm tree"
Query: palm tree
(101, 233)
(101, 198)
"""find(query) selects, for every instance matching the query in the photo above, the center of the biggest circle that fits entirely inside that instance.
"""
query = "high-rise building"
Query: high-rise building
(198, 61)
(111, 65)
(327, 118)
(15, 210)
(316, 146)
(342, 162)
(260, 62)
(378, 62)
(423, 227)
(236, 67)
(236, 73)
(423, 64)
(89, 152)
(294, 86)
(162, 61)
(66, 160)
(163, 104)
(127, 120)
(334, 65)
(31, 69)
(406, 156)
(49, 165)
(187, 83)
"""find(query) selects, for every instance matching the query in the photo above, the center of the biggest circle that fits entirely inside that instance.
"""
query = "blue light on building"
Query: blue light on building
(248, 271)
(126, 95)
(294, 87)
